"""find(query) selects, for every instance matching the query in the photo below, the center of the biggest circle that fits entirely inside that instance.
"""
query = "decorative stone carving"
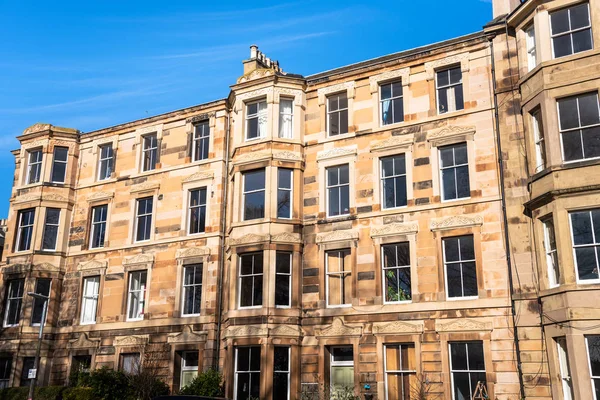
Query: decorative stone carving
(46, 267)
(336, 152)
(54, 197)
(38, 127)
(83, 342)
(394, 229)
(246, 331)
(28, 197)
(450, 133)
(286, 237)
(295, 93)
(456, 221)
(199, 176)
(253, 156)
(249, 238)
(254, 94)
(144, 187)
(133, 340)
(187, 335)
(462, 59)
(92, 265)
(201, 117)
(393, 142)
(39, 197)
(193, 252)
(340, 87)
(100, 196)
(256, 74)
(459, 325)
(338, 329)
(397, 327)
(31, 145)
(286, 330)
(287, 155)
(139, 259)
(403, 73)
(337, 236)
(149, 129)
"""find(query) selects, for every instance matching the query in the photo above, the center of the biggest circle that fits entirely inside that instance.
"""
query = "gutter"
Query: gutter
(505, 221)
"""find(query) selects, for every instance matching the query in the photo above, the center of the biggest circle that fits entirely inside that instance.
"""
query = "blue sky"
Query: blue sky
(93, 64)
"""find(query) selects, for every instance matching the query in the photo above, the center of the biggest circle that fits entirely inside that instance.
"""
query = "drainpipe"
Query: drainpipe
(505, 221)
(222, 235)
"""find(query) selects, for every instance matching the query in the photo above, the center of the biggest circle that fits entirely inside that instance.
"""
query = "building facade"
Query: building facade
(400, 224)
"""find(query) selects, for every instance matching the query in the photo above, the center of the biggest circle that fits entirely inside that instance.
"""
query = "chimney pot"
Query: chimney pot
(253, 51)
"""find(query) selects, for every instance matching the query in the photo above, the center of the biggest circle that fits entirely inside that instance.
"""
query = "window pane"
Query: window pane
(447, 156)
(572, 145)
(334, 126)
(386, 91)
(343, 100)
(342, 354)
(562, 46)
(449, 184)
(344, 121)
(582, 228)
(591, 142)
(254, 180)
(334, 201)
(582, 40)
(386, 112)
(588, 109)
(559, 21)
(476, 359)
(467, 251)
(254, 205)
(593, 343)
(455, 75)
(285, 178)
(580, 16)
(398, 110)
(586, 263)
(443, 78)
(42, 287)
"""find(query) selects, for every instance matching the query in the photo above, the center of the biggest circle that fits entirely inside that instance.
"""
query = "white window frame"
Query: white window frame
(327, 274)
(96, 225)
(5, 378)
(194, 286)
(455, 167)
(288, 372)
(384, 268)
(31, 164)
(89, 300)
(338, 185)
(253, 275)
(259, 113)
(400, 372)
(10, 300)
(282, 119)
(571, 31)
(138, 216)
(383, 179)
(579, 128)
(289, 275)
(237, 372)
(333, 363)
(446, 87)
(574, 247)
(458, 262)
(539, 139)
(338, 110)
(137, 360)
(35, 299)
(55, 161)
(551, 253)
(143, 291)
(199, 206)
(244, 193)
(290, 190)
(147, 150)
(186, 368)
(108, 160)
(452, 371)
(391, 99)
(530, 47)
(592, 376)
(204, 138)
(564, 368)
(20, 227)
(46, 224)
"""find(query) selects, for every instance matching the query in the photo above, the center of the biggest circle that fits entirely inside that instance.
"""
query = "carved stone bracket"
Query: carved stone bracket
(187, 335)
(431, 67)
(337, 236)
(394, 229)
(340, 87)
(456, 221)
(336, 153)
(199, 176)
(132, 340)
(461, 325)
(339, 329)
(145, 187)
(100, 196)
(83, 342)
(397, 327)
(403, 73)
(394, 142)
(450, 134)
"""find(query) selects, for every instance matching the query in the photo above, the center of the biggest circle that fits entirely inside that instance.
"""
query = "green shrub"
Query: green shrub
(79, 393)
(207, 383)
(15, 393)
(41, 393)
(108, 384)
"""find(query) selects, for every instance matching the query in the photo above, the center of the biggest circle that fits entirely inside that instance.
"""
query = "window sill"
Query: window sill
(87, 323)
(382, 128)
(393, 303)
(328, 138)
(455, 200)
(340, 306)
(462, 298)
(249, 308)
(134, 319)
(190, 315)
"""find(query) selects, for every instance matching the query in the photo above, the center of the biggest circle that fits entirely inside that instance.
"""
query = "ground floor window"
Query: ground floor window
(130, 363)
(341, 374)
(5, 368)
(564, 368)
(281, 373)
(400, 371)
(247, 373)
(467, 368)
(79, 365)
(593, 349)
(189, 367)
(28, 364)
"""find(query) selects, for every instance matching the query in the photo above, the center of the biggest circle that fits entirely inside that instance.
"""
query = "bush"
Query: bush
(108, 384)
(78, 393)
(41, 393)
(207, 383)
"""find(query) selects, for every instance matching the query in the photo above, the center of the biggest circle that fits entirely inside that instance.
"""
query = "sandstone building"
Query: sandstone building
(404, 221)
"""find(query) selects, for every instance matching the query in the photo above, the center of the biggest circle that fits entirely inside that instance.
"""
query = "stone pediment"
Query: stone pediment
(335, 153)
(337, 236)
(339, 329)
(46, 267)
(100, 196)
(286, 330)
(251, 157)
(239, 331)
(397, 327)
(144, 187)
(456, 221)
(193, 252)
(201, 117)
(249, 238)
(451, 133)
(83, 342)
(286, 237)
(139, 259)
(187, 335)
(403, 73)
(92, 265)
(39, 197)
(462, 59)
(37, 127)
(459, 325)
(322, 93)
(256, 74)
(395, 229)
(394, 142)
(199, 176)
(287, 155)
(133, 340)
